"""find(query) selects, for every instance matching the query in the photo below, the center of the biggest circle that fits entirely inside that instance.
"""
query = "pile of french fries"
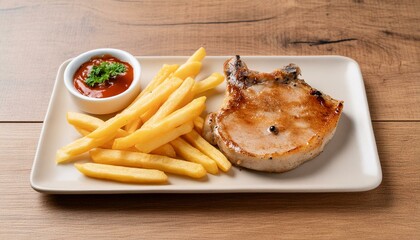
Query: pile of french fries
(158, 133)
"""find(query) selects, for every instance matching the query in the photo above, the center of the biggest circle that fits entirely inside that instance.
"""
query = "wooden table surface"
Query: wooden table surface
(382, 36)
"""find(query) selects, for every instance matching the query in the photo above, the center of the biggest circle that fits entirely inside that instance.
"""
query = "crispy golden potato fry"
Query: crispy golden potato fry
(137, 109)
(175, 119)
(85, 132)
(198, 124)
(134, 125)
(206, 84)
(149, 145)
(188, 69)
(82, 131)
(198, 56)
(80, 120)
(85, 123)
(201, 144)
(108, 144)
(173, 102)
(152, 111)
(164, 150)
(190, 153)
(165, 72)
(187, 99)
(182, 115)
(147, 115)
(144, 160)
(121, 174)
(80, 146)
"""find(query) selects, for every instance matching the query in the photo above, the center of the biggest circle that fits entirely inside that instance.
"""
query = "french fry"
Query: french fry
(164, 73)
(80, 146)
(85, 123)
(154, 109)
(201, 144)
(85, 132)
(175, 119)
(121, 174)
(198, 124)
(165, 150)
(187, 99)
(134, 125)
(144, 160)
(82, 131)
(150, 144)
(206, 84)
(188, 69)
(198, 55)
(192, 66)
(190, 153)
(137, 109)
(147, 115)
(107, 145)
(173, 102)
(80, 120)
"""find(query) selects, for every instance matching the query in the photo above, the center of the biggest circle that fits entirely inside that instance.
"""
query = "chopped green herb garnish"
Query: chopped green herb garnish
(103, 72)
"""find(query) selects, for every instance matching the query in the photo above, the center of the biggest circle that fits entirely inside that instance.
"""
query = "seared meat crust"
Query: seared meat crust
(271, 121)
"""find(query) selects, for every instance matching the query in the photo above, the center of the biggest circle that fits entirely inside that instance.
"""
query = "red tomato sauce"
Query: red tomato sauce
(112, 87)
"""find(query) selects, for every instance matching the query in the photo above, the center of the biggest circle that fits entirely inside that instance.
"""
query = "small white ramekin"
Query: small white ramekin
(109, 104)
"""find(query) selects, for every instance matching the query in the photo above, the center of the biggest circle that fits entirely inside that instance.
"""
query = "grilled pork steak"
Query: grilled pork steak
(271, 121)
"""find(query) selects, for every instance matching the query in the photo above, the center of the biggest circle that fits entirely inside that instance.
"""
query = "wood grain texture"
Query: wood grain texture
(383, 36)
(387, 212)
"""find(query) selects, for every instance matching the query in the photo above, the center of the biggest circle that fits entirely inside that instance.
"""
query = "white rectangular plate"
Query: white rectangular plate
(349, 162)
